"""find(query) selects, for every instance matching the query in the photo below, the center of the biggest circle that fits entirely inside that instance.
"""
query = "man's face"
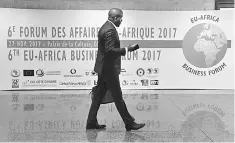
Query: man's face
(118, 21)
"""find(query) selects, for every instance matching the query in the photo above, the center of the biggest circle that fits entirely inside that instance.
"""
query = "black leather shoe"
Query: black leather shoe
(134, 126)
(97, 126)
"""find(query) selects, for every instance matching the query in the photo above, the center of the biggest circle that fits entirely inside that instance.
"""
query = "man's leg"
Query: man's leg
(113, 84)
(96, 101)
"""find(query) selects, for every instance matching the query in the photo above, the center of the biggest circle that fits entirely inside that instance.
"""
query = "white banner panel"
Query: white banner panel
(45, 49)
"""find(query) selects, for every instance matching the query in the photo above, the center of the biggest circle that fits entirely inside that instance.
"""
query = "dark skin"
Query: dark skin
(115, 15)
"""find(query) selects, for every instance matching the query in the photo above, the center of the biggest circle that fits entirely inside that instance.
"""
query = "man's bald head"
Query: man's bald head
(115, 12)
(115, 15)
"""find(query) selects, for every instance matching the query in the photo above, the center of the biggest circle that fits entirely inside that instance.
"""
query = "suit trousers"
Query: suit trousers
(110, 82)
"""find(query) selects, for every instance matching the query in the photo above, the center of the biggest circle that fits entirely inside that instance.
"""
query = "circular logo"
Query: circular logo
(72, 71)
(87, 73)
(40, 72)
(149, 70)
(124, 82)
(155, 71)
(140, 106)
(73, 108)
(15, 73)
(140, 72)
(205, 121)
(204, 45)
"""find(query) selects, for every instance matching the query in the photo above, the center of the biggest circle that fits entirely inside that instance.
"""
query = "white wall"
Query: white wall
(168, 5)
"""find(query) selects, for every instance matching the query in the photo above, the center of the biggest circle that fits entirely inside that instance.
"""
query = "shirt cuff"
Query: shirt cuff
(126, 49)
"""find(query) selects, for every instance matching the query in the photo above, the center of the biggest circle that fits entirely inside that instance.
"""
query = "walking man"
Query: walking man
(108, 66)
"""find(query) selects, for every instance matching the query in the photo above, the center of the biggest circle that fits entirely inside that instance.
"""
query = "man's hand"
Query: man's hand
(133, 47)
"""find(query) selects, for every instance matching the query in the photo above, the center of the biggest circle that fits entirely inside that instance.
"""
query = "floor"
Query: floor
(170, 116)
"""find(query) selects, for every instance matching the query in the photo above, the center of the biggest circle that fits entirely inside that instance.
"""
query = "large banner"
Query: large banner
(45, 49)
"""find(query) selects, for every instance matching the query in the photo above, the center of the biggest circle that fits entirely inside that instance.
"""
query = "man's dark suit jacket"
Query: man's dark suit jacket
(109, 52)
(108, 60)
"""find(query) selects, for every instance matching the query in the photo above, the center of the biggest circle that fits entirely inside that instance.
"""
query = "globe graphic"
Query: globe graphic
(205, 121)
(204, 45)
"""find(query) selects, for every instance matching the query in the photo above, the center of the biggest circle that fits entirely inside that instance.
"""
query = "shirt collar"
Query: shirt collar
(113, 24)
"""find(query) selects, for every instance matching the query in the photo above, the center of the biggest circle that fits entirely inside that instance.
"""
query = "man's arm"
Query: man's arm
(110, 37)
